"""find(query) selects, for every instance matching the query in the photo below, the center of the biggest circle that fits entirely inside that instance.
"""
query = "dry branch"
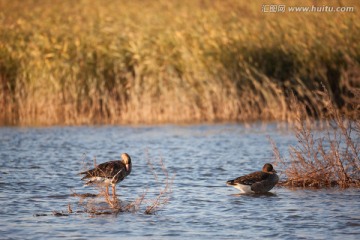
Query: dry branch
(331, 159)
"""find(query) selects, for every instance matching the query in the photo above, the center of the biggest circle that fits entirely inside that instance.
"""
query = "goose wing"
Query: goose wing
(251, 178)
(107, 170)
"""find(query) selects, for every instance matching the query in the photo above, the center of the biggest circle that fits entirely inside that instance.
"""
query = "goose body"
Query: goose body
(256, 182)
(109, 173)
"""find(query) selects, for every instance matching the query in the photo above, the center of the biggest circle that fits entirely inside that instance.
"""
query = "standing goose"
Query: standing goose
(256, 182)
(109, 173)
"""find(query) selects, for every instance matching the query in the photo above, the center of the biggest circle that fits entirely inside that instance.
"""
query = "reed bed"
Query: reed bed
(118, 62)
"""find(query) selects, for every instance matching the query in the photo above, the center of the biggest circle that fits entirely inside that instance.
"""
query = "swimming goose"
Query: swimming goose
(256, 182)
(109, 173)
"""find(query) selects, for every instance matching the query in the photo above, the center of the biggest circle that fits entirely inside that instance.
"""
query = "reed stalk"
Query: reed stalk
(118, 62)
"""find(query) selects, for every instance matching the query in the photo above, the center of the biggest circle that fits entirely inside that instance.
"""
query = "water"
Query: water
(39, 166)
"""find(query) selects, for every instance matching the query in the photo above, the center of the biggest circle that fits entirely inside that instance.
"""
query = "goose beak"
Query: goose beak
(127, 167)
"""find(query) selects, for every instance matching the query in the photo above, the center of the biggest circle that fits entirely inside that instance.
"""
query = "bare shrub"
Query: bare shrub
(329, 157)
(163, 196)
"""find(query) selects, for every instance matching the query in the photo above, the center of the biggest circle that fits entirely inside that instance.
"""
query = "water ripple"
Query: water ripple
(38, 175)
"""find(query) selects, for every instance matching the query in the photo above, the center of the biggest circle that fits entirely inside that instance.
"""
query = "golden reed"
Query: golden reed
(129, 62)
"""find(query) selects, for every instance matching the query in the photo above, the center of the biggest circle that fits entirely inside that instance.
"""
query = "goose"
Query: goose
(109, 173)
(256, 182)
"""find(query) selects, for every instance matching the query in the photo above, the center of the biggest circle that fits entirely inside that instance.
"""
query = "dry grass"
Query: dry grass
(104, 204)
(163, 197)
(326, 157)
(88, 62)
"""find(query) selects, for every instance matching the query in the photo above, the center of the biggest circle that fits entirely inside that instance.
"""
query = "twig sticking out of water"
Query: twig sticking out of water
(85, 163)
(69, 208)
(164, 195)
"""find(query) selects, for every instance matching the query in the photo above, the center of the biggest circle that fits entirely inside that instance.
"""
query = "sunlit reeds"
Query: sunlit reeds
(87, 62)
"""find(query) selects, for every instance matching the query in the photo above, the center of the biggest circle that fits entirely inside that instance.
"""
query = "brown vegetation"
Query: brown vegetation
(329, 157)
(87, 62)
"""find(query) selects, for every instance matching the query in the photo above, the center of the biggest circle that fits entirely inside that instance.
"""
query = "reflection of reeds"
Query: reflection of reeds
(168, 61)
(330, 159)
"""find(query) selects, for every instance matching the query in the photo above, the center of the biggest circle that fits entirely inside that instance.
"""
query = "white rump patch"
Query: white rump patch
(98, 181)
(243, 188)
